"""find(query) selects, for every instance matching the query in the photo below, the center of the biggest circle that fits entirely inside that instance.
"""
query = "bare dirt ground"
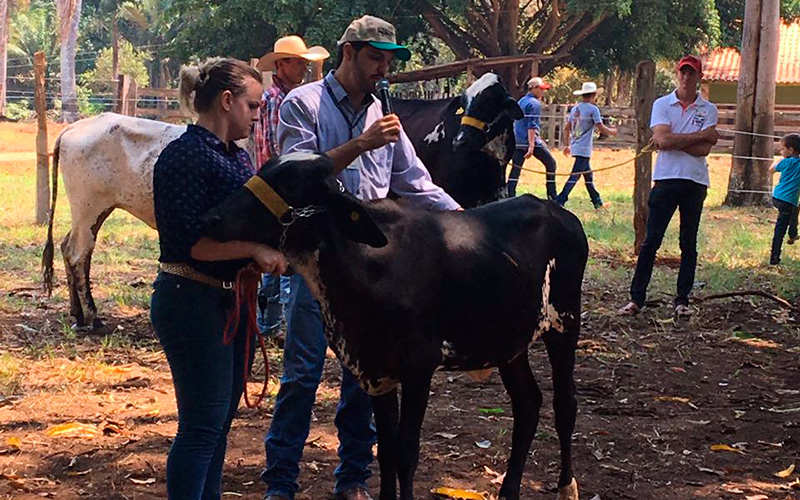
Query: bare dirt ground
(93, 417)
(654, 397)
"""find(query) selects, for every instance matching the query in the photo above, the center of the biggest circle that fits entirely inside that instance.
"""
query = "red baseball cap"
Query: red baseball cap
(692, 61)
(538, 82)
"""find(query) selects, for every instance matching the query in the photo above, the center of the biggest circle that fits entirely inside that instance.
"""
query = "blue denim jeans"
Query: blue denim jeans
(787, 219)
(541, 153)
(188, 318)
(581, 167)
(303, 359)
(272, 299)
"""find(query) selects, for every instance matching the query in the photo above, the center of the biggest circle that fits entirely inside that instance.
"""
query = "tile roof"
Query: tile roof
(723, 64)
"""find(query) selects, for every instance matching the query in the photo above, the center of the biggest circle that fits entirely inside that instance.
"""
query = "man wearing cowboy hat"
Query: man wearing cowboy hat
(340, 116)
(529, 142)
(289, 63)
(684, 129)
(583, 118)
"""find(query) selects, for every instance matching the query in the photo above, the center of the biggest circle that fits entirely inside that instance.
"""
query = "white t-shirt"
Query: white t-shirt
(699, 115)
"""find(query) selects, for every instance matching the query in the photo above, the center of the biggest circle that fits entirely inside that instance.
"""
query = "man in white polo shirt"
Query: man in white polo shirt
(684, 130)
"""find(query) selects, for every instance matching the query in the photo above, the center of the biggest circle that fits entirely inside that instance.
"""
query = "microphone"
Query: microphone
(382, 89)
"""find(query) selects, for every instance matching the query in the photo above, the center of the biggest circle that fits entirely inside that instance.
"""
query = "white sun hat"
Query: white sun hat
(588, 88)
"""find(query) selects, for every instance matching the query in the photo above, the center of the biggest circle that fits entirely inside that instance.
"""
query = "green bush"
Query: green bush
(19, 110)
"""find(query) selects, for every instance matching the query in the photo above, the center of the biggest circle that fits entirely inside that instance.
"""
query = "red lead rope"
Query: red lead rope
(246, 291)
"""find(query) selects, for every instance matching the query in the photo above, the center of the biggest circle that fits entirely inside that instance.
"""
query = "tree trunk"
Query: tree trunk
(69, 42)
(745, 99)
(764, 119)
(5, 8)
(645, 96)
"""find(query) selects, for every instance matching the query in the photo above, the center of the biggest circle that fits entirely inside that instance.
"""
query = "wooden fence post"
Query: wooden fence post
(42, 160)
(123, 86)
(645, 95)
(133, 97)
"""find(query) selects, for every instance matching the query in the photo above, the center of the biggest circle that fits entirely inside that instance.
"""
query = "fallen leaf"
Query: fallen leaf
(499, 479)
(149, 480)
(725, 447)
(673, 399)
(459, 494)
(756, 497)
(74, 473)
(491, 411)
(73, 429)
(14, 443)
(711, 471)
(483, 444)
(785, 472)
(446, 435)
(596, 497)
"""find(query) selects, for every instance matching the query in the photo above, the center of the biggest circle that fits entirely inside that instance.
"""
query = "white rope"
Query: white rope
(744, 132)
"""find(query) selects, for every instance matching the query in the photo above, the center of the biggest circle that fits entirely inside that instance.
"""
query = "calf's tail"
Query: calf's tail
(49, 250)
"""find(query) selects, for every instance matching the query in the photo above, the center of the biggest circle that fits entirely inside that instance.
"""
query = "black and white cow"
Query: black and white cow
(405, 292)
(471, 167)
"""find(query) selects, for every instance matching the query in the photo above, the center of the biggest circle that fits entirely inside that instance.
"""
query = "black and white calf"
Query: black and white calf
(405, 292)
(467, 141)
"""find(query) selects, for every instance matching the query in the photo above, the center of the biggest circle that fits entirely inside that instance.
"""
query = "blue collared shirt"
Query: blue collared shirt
(311, 121)
(532, 111)
(192, 175)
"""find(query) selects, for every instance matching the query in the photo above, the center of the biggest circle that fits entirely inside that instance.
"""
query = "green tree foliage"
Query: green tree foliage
(131, 63)
(732, 16)
(33, 30)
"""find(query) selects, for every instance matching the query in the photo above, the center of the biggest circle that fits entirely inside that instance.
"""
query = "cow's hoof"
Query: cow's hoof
(569, 492)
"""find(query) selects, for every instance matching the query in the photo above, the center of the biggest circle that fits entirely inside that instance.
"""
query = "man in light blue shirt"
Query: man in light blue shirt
(529, 141)
(583, 118)
(339, 116)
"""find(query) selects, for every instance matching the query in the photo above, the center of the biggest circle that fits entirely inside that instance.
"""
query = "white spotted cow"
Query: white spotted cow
(107, 163)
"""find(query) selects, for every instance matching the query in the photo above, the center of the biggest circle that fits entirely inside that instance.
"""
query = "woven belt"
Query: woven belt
(186, 271)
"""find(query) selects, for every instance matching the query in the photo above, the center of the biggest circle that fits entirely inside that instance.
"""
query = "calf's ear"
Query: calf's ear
(355, 222)
(513, 109)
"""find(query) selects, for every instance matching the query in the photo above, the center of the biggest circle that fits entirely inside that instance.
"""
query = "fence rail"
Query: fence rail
(787, 120)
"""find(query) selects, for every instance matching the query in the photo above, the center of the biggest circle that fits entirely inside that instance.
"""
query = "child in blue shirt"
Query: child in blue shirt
(785, 195)
(581, 122)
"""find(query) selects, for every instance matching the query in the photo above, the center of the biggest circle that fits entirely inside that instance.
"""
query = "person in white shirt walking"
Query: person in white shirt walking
(684, 130)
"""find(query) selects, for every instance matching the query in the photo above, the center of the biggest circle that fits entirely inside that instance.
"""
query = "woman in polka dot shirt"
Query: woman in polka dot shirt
(193, 174)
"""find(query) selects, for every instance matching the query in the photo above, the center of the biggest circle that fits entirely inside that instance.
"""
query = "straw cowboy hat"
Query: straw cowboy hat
(588, 88)
(291, 46)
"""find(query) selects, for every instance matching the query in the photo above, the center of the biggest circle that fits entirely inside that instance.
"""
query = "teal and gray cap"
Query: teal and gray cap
(378, 33)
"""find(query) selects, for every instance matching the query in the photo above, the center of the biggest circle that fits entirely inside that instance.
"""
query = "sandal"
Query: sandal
(630, 309)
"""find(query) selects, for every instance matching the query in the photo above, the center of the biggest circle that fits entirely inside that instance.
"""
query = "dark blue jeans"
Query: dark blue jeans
(665, 197)
(787, 218)
(303, 358)
(541, 153)
(580, 168)
(273, 295)
(188, 318)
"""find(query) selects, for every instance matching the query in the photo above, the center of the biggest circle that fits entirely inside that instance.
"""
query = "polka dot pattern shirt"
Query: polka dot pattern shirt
(195, 173)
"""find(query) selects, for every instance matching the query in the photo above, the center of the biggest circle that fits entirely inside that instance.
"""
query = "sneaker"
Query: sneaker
(630, 309)
(791, 240)
(683, 311)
